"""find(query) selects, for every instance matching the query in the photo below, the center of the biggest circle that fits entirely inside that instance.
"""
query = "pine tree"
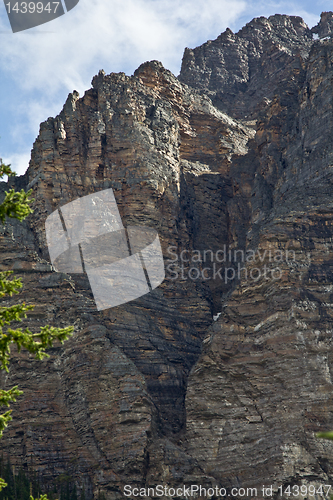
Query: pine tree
(17, 205)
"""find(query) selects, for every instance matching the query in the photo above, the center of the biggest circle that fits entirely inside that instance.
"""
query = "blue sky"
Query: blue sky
(40, 66)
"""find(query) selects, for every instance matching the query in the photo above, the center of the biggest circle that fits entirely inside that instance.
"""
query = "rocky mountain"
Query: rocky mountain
(221, 376)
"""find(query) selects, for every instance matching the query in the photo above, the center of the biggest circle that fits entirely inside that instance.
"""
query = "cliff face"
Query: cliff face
(157, 391)
(239, 71)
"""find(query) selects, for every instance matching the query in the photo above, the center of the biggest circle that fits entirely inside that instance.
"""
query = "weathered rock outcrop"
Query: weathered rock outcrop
(325, 27)
(156, 391)
(241, 71)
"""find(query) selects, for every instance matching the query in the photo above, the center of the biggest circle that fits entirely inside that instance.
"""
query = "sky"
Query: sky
(40, 66)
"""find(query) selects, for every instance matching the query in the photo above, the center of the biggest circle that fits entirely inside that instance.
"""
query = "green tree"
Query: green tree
(17, 205)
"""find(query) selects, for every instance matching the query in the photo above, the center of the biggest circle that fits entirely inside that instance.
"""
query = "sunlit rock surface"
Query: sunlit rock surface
(234, 156)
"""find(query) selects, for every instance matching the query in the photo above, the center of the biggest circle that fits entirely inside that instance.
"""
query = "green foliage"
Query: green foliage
(21, 485)
(35, 343)
(7, 397)
(68, 491)
(325, 435)
(6, 170)
(9, 287)
(25, 485)
(16, 205)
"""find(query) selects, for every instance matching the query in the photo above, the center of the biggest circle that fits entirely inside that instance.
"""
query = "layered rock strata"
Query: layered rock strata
(157, 391)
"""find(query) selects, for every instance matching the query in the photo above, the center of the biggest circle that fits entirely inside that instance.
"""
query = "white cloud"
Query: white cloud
(18, 162)
(43, 64)
(119, 34)
(58, 57)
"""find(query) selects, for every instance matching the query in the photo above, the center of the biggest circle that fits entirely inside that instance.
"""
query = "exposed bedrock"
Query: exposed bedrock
(232, 165)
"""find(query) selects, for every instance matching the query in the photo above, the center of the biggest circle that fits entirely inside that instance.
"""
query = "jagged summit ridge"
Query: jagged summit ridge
(325, 26)
(239, 70)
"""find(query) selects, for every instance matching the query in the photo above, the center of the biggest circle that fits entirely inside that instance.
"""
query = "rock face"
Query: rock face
(325, 27)
(241, 71)
(220, 376)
